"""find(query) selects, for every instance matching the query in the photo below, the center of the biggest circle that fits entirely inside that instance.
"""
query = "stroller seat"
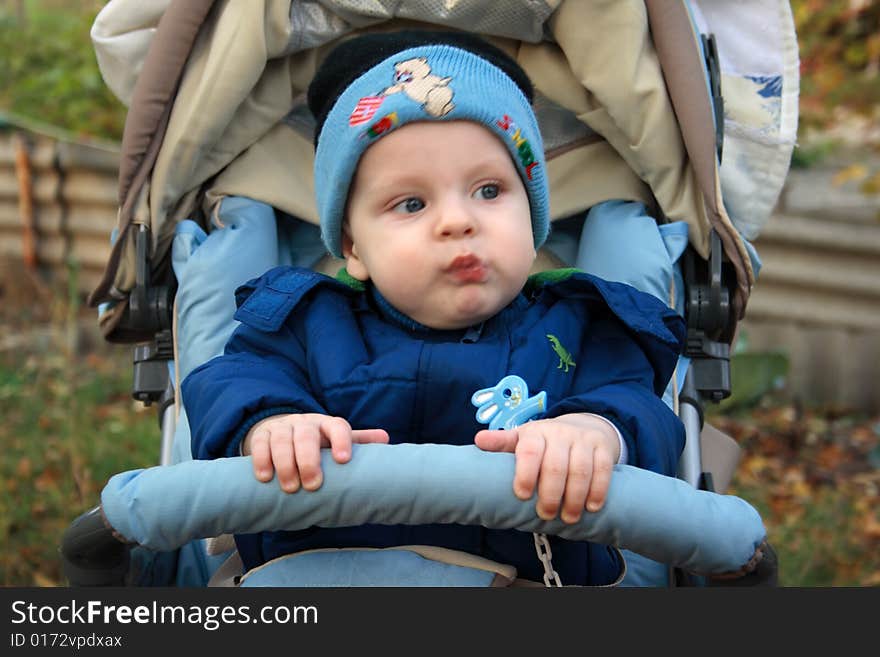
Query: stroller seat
(210, 199)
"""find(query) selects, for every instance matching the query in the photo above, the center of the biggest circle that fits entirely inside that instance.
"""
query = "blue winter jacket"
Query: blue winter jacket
(312, 344)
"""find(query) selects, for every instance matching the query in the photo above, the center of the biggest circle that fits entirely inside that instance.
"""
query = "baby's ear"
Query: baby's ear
(353, 264)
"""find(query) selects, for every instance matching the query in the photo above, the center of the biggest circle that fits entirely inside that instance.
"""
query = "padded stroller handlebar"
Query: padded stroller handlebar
(663, 518)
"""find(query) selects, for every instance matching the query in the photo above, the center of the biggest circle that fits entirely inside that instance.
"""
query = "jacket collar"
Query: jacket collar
(471, 334)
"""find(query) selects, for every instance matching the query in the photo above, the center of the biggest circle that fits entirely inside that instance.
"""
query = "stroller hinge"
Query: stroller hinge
(149, 313)
(151, 376)
(710, 363)
(149, 306)
(709, 321)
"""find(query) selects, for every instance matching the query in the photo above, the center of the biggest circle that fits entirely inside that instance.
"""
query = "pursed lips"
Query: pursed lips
(467, 268)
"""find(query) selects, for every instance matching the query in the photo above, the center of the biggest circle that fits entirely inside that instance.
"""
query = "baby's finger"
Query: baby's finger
(369, 436)
(529, 454)
(261, 456)
(577, 485)
(338, 432)
(603, 467)
(283, 458)
(552, 478)
(307, 446)
(497, 440)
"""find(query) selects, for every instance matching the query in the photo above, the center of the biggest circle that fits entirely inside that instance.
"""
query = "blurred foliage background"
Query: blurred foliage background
(69, 421)
(48, 71)
(840, 59)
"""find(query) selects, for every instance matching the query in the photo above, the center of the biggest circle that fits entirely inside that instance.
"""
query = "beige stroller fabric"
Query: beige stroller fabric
(239, 125)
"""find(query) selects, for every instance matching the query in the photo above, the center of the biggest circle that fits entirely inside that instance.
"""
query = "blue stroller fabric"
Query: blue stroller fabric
(620, 241)
(248, 237)
(650, 264)
(661, 517)
(246, 241)
(386, 567)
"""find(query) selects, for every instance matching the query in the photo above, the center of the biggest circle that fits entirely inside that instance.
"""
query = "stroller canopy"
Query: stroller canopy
(216, 96)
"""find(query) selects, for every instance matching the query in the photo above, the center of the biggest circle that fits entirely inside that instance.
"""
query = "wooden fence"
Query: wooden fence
(57, 203)
(817, 297)
(818, 300)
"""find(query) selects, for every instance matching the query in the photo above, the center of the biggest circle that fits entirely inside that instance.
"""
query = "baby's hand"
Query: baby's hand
(570, 458)
(291, 446)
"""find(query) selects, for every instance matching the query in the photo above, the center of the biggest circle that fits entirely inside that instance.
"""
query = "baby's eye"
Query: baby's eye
(410, 205)
(488, 192)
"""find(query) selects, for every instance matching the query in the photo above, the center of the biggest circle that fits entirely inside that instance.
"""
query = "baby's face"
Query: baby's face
(439, 220)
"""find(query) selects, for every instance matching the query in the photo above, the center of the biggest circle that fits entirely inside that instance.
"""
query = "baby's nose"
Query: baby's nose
(457, 222)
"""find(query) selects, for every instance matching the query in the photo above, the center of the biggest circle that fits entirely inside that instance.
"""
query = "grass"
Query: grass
(69, 423)
(813, 475)
(818, 539)
(68, 426)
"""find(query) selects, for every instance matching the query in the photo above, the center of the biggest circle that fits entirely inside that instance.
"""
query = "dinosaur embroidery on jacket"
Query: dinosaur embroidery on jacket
(565, 359)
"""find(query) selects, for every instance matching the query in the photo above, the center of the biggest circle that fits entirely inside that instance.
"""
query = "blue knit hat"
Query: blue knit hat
(433, 82)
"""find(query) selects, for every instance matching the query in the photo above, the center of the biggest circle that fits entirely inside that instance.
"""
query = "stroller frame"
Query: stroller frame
(716, 288)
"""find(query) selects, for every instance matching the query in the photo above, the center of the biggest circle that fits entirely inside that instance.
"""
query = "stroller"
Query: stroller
(216, 133)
